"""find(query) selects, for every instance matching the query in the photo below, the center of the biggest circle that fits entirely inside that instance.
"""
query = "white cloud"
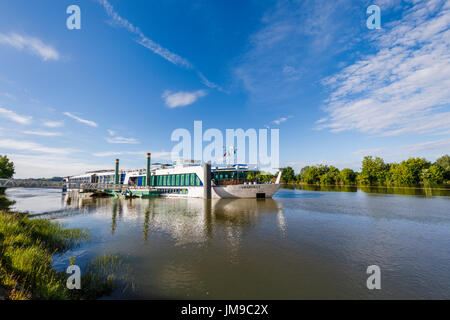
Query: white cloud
(14, 116)
(122, 140)
(143, 40)
(53, 124)
(43, 133)
(153, 46)
(87, 122)
(404, 87)
(429, 149)
(210, 84)
(41, 166)
(281, 120)
(181, 98)
(33, 45)
(161, 155)
(296, 43)
(10, 144)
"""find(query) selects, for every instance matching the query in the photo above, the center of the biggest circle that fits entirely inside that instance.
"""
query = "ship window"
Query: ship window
(173, 180)
(178, 180)
(182, 180)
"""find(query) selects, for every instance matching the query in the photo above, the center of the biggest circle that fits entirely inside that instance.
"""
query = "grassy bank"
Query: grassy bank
(27, 247)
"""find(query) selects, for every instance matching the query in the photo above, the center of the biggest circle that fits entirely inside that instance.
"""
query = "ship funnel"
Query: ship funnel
(149, 162)
(116, 173)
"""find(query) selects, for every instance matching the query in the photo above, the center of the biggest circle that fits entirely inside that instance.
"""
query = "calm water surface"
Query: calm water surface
(301, 244)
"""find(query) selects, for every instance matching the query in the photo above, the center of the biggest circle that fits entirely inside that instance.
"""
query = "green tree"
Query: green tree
(288, 175)
(6, 168)
(327, 179)
(348, 176)
(409, 172)
(444, 163)
(374, 171)
(299, 177)
(433, 175)
(331, 177)
(264, 177)
(311, 175)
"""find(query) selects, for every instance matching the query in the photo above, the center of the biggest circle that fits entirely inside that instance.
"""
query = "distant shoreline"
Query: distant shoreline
(361, 186)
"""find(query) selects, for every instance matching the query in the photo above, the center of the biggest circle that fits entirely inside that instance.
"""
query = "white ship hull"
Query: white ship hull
(240, 191)
(244, 191)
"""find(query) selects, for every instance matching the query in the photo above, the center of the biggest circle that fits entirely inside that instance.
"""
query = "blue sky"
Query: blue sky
(72, 100)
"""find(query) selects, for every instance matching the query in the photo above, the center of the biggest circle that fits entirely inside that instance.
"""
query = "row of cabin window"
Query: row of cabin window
(79, 180)
(171, 180)
(110, 179)
(187, 179)
(232, 175)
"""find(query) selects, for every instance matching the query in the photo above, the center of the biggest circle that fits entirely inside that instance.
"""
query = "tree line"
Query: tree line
(375, 172)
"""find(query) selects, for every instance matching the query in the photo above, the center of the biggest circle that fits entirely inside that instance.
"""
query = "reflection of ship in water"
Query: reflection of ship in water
(186, 220)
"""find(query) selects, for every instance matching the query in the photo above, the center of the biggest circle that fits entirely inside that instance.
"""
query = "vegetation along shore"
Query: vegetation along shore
(27, 248)
(375, 172)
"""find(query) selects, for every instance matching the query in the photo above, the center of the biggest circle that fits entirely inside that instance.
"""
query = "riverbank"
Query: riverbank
(27, 248)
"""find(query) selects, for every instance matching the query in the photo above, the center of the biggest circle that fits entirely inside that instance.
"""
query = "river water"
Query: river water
(300, 245)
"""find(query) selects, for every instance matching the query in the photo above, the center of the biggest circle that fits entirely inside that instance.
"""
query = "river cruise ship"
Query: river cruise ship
(181, 180)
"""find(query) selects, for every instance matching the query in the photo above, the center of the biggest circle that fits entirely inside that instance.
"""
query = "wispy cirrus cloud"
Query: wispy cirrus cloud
(30, 44)
(84, 121)
(404, 87)
(10, 144)
(295, 42)
(161, 155)
(281, 120)
(181, 98)
(120, 140)
(142, 39)
(11, 115)
(431, 149)
(43, 133)
(156, 48)
(53, 124)
(51, 165)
